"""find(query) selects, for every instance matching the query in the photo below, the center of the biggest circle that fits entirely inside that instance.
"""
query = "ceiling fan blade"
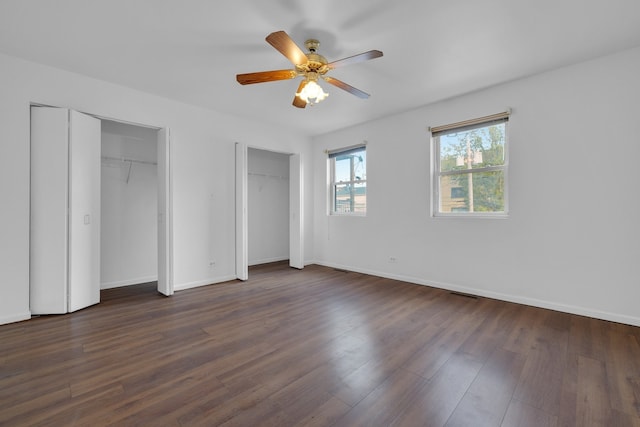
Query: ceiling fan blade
(342, 85)
(297, 102)
(265, 76)
(372, 54)
(283, 44)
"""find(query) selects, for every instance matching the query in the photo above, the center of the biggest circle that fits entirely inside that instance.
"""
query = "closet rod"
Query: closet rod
(125, 159)
(267, 175)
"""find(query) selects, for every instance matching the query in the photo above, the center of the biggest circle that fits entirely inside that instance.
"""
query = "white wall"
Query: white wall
(129, 205)
(268, 206)
(572, 239)
(203, 171)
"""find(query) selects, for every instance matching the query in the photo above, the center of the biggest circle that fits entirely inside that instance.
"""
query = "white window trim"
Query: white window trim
(436, 174)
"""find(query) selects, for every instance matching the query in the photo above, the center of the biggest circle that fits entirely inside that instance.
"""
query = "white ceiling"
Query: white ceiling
(191, 50)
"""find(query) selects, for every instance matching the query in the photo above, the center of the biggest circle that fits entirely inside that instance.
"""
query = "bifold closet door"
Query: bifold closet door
(65, 211)
(49, 203)
(84, 210)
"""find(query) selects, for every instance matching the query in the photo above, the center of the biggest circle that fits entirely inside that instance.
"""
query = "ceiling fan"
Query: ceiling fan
(311, 66)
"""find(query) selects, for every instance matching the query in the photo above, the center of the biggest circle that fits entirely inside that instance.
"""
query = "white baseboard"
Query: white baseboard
(267, 260)
(198, 283)
(565, 308)
(128, 282)
(17, 317)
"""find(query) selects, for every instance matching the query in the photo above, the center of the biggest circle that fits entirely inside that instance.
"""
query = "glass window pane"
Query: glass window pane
(360, 198)
(453, 193)
(487, 193)
(342, 198)
(344, 163)
(350, 198)
(474, 148)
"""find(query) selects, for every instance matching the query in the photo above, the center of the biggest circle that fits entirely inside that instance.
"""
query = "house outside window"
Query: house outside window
(470, 167)
(348, 182)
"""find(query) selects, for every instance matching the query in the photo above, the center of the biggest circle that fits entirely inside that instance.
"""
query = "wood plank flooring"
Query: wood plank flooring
(317, 347)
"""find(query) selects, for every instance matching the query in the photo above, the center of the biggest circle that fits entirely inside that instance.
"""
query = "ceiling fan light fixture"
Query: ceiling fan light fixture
(312, 93)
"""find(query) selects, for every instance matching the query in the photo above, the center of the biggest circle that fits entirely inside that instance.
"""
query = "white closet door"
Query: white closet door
(296, 242)
(84, 210)
(64, 263)
(48, 261)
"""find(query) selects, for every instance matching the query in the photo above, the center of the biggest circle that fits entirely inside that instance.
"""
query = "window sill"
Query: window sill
(487, 215)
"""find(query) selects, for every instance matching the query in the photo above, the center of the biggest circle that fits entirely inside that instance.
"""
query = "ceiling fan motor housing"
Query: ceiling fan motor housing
(316, 63)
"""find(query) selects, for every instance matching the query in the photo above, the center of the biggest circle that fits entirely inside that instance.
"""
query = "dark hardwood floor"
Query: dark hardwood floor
(317, 347)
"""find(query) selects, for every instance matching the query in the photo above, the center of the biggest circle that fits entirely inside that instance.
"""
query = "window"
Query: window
(348, 169)
(470, 167)
(457, 192)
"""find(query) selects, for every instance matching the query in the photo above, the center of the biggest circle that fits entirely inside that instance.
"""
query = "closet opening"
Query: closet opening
(128, 205)
(268, 208)
(100, 208)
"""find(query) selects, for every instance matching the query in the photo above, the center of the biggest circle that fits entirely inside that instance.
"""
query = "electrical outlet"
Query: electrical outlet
(393, 259)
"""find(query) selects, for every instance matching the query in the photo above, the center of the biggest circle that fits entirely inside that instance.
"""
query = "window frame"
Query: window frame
(437, 174)
(331, 158)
